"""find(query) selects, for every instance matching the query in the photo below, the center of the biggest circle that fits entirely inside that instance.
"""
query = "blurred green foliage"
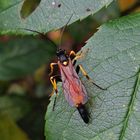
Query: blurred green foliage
(24, 60)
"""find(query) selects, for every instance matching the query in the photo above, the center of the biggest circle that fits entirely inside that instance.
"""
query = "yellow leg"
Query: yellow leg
(72, 53)
(52, 92)
(51, 66)
(86, 75)
(84, 72)
(53, 81)
(76, 56)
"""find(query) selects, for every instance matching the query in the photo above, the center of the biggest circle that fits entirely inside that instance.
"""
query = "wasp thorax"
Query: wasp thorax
(62, 57)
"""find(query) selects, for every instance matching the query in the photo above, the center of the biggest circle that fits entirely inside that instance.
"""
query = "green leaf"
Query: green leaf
(28, 7)
(49, 14)
(22, 56)
(5, 4)
(14, 106)
(9, 130)
(113, 62)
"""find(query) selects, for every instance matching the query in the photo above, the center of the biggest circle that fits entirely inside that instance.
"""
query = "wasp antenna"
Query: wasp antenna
(33, 31)
(63, 29)
(83, 112)
(41, 34)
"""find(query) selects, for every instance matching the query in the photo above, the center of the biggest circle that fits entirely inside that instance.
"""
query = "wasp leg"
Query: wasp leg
(53, 81)
(72, 53)
(52, 68)
(75, 56)
(79, 67)
(74, 62)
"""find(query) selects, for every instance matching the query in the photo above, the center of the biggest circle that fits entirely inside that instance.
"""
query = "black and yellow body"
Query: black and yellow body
(74, 91)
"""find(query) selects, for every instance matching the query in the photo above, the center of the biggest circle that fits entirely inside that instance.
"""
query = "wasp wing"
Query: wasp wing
(74, 91)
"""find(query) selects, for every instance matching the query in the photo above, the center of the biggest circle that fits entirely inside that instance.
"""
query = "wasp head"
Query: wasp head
(62, 57)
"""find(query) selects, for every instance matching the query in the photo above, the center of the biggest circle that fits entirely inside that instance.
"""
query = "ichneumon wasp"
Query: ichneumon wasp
(73, 88)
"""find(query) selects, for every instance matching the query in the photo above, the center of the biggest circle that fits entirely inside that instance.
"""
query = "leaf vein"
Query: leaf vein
(130, 108)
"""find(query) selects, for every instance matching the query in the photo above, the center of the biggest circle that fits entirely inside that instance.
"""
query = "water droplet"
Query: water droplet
(53, 3)
(124, 105)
